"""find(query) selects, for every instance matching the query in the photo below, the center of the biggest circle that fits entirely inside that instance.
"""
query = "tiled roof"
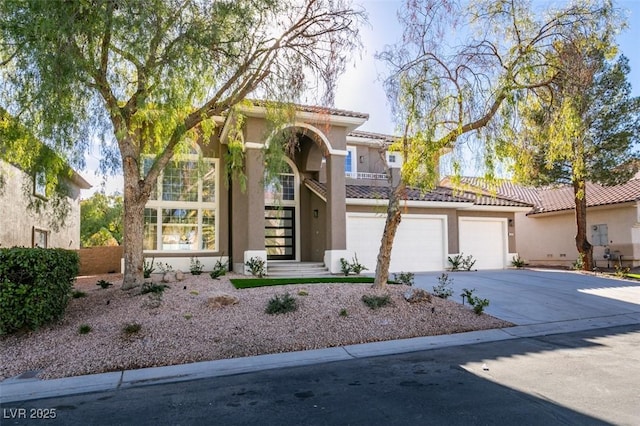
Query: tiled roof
(438, 194)
(552, 199)
(370, 135)
(562, 198)
(321, 110)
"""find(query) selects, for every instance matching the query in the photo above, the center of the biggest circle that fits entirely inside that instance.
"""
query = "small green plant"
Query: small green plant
(195, 266)
(131, 328)
(77, 294)
(518, 262)
(476, 303)
(104, 284)
(467, 294)
(164, 267)
(443, 289)
(345, 266)
(621, 271)
(406, 278)
(343, 313)
(281, 304)
(219, 269)
(303, 293)
(456, 262)
(84, 329)
(187, 316)
(153, 288)
(468, 262)
(375, 302)
(148, 268)
(354, 266)
(257, 266)
(461, 263)
(578, 265)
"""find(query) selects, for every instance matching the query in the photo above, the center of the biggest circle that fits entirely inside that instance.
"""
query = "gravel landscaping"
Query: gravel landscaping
(111, 329)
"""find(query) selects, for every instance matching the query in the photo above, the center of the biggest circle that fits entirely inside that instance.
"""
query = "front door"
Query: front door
(279, 231)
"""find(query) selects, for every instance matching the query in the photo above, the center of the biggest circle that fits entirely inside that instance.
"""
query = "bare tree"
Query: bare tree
(458, 72)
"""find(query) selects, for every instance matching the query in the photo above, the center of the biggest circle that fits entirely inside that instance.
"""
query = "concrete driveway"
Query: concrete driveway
(537, 296)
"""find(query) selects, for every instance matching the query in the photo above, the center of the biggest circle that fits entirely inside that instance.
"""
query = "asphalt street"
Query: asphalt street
(582, 378)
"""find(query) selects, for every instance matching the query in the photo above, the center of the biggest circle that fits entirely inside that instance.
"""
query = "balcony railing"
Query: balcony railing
(366, 175)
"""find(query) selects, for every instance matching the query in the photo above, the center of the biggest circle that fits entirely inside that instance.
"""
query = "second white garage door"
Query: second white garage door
(485, 239)
(420, 243)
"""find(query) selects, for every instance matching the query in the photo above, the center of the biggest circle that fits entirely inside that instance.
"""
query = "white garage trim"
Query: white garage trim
(415, 248)
(486, 239)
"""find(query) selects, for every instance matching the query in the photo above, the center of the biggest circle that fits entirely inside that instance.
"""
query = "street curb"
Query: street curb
(16, 389)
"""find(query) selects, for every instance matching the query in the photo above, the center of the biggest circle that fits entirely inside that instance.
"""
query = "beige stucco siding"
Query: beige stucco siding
(550, 239)
(17, 221)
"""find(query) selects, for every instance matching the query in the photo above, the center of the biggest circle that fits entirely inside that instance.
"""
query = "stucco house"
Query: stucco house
(331, 204)
(23, 226)
(546, 233)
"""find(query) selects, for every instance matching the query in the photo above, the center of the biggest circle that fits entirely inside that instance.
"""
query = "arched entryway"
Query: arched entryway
(282, 215)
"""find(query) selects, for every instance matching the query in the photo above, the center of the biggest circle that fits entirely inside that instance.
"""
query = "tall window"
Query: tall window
(284, 192)
(181, 214)
(350, 162)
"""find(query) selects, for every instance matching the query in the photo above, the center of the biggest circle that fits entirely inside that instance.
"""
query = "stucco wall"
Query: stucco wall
(17, 221)
(550, 239)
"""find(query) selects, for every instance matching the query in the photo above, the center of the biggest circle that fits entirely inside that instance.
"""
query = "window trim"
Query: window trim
(36, 230)
(158, 204)
(40, 189)
(354, 164)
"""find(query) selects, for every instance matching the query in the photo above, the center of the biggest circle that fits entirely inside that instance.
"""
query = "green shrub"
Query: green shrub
(443, 289)
(345, 266)
(354, 266)
(343, 313)
(35, 286)
(406, 278)
(281, 304)
(219, 269)
(196, 267)
(257, 266)
(476, 303)
(131, 328)
(148, 268)
(375, 302)
(153, 288)
(518, 262)
(84, 329)
(77, 294)
(104, 284)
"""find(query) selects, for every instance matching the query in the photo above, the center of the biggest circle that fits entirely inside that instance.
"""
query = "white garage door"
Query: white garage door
(420, 243)
(485, 239)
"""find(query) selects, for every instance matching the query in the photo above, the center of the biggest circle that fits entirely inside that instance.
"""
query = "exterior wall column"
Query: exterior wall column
(336, 223)
(255, 206)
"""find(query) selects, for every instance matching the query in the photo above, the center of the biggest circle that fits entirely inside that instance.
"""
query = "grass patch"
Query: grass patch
(263, 282)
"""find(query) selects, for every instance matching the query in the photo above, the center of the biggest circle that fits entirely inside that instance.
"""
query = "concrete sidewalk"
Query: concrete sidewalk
(541, 303)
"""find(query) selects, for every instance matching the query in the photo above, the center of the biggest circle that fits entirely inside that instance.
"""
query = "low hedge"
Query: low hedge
(35, 286)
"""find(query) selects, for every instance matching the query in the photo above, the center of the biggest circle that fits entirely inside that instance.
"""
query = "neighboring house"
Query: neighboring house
(331, 205)
(22, 226)
(546, 233)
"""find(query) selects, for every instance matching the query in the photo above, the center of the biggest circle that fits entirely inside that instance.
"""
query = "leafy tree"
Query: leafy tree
(583, 128)
(458, 72)
(101, 220)
(151, 75)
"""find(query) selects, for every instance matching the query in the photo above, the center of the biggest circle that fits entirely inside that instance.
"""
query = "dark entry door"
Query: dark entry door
(279, 232)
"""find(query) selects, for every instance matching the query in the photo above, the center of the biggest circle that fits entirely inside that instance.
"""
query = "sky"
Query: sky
(360, 88)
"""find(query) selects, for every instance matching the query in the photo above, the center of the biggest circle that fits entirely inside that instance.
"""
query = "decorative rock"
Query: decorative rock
(417, 295)
(169, 277)
(179, 275)
(220, 300)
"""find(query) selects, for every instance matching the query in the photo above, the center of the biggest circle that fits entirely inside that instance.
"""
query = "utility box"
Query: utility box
(599, 235)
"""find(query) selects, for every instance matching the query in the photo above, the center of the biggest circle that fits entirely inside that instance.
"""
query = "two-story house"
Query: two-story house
(331, 204)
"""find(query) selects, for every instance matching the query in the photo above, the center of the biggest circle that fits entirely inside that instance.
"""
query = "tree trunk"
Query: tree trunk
(585, 249)
(394, 215)
(134, 203)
